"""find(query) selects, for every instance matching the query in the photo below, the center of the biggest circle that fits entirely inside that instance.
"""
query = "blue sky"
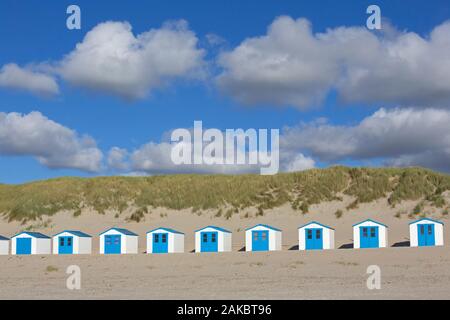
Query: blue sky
(35, 38)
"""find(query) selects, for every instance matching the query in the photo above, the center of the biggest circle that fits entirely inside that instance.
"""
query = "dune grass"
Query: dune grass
(232, 193)
(51, 269)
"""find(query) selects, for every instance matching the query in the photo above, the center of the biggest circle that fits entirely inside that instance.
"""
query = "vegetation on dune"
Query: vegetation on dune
(232, 193)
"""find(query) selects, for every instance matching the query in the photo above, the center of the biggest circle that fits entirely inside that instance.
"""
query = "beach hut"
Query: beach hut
(426, 232)
(4, 245)
(212, 239)
(315, 236)
(262, 238)
(72, 242)
(118, 241)
(31, 243)
(369, 234)
(165, 240)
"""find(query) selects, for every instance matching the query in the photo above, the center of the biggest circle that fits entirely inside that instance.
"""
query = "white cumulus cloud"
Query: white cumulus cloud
(298, 162)
(118, 158)
(14, 77)
(293, 66)
(52, 144)
(155, 158)
(399, 137)
(112, 59)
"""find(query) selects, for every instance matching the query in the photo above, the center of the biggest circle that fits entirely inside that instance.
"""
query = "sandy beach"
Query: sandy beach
(286, 274)
(406, 273)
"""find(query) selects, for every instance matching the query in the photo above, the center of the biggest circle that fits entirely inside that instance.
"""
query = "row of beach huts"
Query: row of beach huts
(311, 236)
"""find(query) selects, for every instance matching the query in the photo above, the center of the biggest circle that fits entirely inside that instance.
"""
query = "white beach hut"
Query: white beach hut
(315, 236)
(4, 245)
(426, 232)
(31, 243)
(72, 242)
(262, 238)
(212, 239)
(118, 241)
(370, 234)
(165, 240)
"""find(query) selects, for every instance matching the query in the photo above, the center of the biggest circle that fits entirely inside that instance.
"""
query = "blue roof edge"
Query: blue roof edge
(427, 219)
(214, 227)
(263, 225)
(315, 222)
(33, 234)
(120, 230)
(370, 220)
(75, 232)
(166, 229)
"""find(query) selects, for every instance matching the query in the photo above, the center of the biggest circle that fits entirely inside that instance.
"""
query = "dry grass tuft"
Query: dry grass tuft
(232, 193)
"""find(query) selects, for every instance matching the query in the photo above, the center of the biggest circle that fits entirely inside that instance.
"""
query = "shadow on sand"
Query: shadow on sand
(346, 246)
(401, 244)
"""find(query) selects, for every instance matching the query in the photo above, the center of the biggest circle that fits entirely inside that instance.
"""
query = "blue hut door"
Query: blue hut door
(314, 239)
(160, 243)
(368, 237)
(209, 242)
(65, 245)
(260, 240)
(426, 235)
(112, 244)
(23, 246)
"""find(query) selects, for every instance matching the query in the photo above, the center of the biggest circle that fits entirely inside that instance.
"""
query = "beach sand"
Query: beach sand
(406, 273)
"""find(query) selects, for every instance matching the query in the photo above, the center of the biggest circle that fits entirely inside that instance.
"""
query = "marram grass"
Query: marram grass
(200, 192)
